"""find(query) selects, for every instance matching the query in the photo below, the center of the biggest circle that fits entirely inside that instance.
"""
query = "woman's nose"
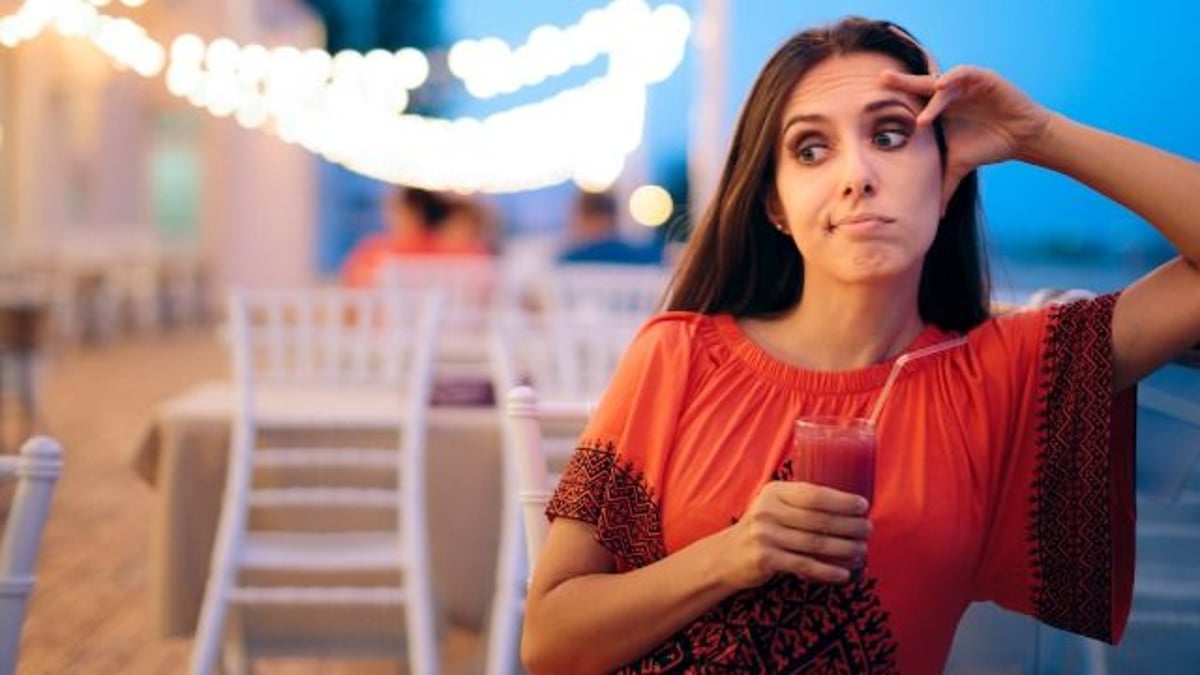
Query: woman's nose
(860, 179)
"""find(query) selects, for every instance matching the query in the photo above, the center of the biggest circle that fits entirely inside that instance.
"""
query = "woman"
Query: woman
(412, 218)
(843, 234)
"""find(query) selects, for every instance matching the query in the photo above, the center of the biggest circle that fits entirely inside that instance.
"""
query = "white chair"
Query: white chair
(542, 435)
(474, 292)
(570, 363)
(608, 290)
(366, 337)
(539, 437)
(36, 471)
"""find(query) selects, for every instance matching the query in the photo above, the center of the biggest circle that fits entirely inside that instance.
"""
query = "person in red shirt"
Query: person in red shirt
(412, 217)
(843, 236)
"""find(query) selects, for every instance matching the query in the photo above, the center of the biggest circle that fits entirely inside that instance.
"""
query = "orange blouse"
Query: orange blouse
(1004, 472)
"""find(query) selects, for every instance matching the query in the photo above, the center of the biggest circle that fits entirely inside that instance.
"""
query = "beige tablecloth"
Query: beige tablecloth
(183, 455)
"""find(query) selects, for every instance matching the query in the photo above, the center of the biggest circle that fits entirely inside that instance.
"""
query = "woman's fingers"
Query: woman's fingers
(919, 85)
(942, 98)
(820, 498)
(942, 90)
(810, 530)
(813, 569)
(824, 523)
(821, 545)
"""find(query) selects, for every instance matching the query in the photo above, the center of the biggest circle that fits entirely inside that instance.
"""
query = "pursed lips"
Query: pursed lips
(859, 222)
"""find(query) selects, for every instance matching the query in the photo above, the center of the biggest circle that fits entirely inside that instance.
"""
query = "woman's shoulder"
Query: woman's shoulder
(682, 334)
(676, 325)
(1015, 324)
(676, 320)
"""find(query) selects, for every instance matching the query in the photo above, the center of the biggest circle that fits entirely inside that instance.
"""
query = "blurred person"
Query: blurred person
(593, 237)
(468, 229)
(412, 218)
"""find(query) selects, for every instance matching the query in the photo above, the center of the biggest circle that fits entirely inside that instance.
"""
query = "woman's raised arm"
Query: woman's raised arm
(988, 120)
(1158, 316)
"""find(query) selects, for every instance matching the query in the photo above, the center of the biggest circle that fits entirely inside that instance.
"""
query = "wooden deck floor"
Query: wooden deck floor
(89, 614)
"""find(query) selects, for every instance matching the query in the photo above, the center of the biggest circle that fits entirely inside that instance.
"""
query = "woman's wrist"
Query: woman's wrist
(1043, 145)
(719, 571)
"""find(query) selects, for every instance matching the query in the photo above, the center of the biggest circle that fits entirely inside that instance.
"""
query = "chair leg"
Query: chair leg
(504, 632)
(420, 612)
(209, 632)
(422, 631)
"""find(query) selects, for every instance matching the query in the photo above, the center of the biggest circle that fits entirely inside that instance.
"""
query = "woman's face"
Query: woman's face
(856, 183)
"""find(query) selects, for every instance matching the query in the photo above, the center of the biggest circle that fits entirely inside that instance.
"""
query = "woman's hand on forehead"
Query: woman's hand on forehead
(985, 118)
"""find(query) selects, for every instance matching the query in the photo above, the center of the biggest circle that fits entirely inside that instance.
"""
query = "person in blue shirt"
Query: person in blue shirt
(592, 235)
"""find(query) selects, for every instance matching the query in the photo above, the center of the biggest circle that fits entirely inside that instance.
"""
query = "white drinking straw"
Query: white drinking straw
(903, 360)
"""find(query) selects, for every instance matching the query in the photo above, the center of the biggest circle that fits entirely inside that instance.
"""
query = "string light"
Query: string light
(349, 107)
(651, 205)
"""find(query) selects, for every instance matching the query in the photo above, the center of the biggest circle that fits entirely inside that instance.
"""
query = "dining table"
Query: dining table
(184, 451)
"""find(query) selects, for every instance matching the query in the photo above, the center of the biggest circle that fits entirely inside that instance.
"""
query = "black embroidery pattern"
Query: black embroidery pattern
(1070, 534)
(596, 489)
(787, 625)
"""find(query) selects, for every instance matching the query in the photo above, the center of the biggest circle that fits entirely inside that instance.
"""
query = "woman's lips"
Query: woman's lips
(860, 224)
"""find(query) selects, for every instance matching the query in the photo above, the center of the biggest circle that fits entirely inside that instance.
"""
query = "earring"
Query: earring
(782, 229)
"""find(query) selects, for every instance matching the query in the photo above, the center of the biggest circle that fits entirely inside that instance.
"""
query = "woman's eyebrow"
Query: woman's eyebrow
(874, 106)
(886, 103)
(797, 119)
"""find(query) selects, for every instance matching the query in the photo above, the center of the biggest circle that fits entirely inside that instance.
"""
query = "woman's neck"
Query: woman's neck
(844, 329)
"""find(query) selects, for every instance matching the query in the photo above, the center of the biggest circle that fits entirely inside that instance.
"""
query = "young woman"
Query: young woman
(843, 235)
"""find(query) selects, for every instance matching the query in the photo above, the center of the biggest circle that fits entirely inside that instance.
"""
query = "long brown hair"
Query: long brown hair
(737, 263)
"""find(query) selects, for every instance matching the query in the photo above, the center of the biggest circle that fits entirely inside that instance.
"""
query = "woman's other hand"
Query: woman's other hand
(799, 528)
(986, 119)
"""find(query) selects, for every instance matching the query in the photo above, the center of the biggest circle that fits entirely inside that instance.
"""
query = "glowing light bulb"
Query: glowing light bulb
(651, 205)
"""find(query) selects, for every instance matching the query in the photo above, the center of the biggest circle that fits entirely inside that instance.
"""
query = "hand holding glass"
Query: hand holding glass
(836, 452)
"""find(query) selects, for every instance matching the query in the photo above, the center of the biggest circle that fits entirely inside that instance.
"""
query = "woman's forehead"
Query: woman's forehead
(845, 80)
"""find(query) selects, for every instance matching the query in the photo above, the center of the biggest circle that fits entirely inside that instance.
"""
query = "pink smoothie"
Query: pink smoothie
(836, 453)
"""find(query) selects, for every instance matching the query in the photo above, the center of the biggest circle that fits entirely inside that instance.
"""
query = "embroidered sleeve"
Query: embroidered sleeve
(611, 479)
(1061, 544)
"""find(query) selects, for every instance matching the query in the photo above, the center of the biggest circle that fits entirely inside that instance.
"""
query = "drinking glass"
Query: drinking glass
(837, 452)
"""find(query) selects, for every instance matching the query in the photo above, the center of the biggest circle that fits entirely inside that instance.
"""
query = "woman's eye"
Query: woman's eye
(891, 139)
(811, 153)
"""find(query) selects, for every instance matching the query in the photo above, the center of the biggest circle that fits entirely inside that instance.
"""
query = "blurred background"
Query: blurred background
(155, 154)
(95, 147)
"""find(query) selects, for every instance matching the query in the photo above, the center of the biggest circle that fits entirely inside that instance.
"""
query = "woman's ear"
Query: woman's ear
(775, 212)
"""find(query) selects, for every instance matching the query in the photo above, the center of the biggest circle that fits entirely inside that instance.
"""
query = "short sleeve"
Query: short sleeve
(611, 480)
(1059, 544)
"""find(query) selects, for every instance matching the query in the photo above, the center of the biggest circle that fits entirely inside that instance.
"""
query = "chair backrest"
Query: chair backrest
(568, 361)
(608, 290)
(472, 285)
(565, 357)
(327, 336)
(36, 470)
(540, 436)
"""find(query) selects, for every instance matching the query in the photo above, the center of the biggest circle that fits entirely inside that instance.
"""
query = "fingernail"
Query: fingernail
(863, 505)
